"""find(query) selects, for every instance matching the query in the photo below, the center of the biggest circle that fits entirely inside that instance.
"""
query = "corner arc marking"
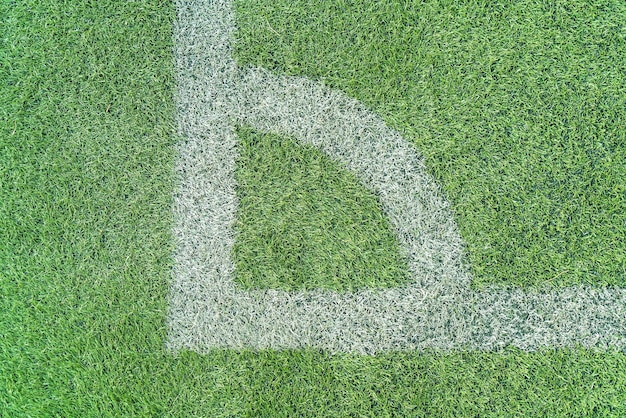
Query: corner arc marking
(437, 310)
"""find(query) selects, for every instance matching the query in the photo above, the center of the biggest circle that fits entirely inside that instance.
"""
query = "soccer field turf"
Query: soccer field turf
(520, 123)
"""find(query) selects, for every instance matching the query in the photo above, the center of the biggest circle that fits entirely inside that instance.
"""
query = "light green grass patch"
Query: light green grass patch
(304, 222)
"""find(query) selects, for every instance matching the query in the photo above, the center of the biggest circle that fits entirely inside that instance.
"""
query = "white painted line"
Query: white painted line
(437, 310)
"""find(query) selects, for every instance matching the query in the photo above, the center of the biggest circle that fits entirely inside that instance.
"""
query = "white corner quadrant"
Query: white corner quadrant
(437, 310)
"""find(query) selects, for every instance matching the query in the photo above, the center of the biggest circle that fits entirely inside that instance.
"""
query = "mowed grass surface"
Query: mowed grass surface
(86, 178)
(305, 222)
(518, 107)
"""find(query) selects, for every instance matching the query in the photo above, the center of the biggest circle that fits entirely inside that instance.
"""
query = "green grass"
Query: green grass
(86, 178)
(305, 222)
(517, 106)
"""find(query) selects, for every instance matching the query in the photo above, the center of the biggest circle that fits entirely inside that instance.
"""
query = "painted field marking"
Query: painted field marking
(437, 310)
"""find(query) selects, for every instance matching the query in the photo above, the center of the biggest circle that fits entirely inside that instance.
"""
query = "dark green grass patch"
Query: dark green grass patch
(305, 222)
(518, 108)
(509, 383)
(86, 179)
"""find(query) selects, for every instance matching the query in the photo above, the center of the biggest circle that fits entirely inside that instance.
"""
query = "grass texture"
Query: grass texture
(517, 107)
(306, 223)
(86, 179)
